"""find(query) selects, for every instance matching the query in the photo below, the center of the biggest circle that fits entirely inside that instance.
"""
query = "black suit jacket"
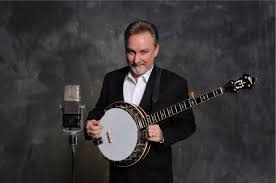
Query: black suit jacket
(157, 166)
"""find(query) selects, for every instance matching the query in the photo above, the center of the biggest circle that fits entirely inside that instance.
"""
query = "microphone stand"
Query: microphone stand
(73, 141)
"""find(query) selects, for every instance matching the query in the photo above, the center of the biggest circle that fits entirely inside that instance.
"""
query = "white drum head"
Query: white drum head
(122, 130)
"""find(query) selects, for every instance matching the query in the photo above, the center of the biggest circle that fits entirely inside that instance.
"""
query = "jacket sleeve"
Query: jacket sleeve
(182, 125)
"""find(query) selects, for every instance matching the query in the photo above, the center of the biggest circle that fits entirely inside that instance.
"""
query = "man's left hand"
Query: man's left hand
(155, 133)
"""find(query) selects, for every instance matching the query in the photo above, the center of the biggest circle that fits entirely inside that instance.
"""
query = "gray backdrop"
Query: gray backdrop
(46, 45)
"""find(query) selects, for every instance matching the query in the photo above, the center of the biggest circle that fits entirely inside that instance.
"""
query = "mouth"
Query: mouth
(135, 65)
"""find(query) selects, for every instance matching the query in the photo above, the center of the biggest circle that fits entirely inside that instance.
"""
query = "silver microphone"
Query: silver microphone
(72, 118)
(72, 109)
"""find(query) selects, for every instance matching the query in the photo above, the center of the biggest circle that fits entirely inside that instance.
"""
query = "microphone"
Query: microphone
(72, 119)
(72, 109)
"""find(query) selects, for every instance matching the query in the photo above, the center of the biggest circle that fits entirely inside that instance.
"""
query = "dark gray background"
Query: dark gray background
(46, 45)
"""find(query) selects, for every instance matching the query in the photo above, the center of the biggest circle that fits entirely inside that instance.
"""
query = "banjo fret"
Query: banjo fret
(144, 123)
(148, 120)
(175, 107)
(192, 102)
(168, 112)
(171, 108)
(162, 114)
(187, 104)
(139, 124)
(204, 97)
(158, 118)
(181, 106)
(154, 118)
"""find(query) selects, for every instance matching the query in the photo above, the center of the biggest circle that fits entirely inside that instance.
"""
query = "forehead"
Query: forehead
(142, 39)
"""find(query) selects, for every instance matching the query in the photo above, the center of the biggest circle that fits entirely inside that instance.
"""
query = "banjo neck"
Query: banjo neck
(178, 108)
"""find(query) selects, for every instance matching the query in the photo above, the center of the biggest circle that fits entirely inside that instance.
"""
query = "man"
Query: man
(135, 84)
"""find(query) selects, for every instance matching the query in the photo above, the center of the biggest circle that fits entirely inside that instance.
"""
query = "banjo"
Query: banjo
(125, 148)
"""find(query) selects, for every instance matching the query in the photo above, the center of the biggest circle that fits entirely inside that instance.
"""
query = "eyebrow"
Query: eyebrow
(146, 49)
(129, 49)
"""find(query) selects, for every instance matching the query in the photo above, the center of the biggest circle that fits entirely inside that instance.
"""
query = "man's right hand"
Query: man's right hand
(93, 128)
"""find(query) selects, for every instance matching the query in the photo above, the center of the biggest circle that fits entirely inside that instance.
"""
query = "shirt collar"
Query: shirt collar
(144, 76)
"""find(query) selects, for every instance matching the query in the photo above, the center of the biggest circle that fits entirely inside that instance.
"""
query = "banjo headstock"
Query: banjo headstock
(244, 82)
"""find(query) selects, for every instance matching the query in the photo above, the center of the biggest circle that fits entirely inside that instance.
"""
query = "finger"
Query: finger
(94, 135)
(152, 139)
(89, 124)
(93, 126)
(96, 132)
(152, 128)
(149, 138)
(155, 126)
(149, 133)
(98, 124)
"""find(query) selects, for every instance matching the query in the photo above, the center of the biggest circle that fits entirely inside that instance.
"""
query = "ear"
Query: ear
(156, 50)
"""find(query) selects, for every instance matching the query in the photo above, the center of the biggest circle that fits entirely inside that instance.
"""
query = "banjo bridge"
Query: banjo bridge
(109, 136)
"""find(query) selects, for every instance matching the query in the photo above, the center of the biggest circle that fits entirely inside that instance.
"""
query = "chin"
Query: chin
(138, 71)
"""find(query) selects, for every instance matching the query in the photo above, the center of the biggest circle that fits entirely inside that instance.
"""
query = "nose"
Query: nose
(136, 58)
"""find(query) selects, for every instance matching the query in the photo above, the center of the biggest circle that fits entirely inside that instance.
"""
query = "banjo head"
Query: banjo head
(119, 134)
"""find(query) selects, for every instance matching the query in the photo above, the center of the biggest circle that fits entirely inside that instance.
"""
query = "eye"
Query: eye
(130, 52)
(144, 52)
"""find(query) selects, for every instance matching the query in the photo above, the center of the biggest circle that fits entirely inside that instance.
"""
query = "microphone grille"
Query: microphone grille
(72, 93)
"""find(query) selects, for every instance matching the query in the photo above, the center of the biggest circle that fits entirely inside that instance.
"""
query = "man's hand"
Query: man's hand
(155, 133)
(93, 129)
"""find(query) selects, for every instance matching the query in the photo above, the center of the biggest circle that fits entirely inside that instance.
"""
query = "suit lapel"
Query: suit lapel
(147, 97)
(121, 81)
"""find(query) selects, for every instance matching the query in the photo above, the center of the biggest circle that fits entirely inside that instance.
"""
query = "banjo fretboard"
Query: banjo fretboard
(178, 108)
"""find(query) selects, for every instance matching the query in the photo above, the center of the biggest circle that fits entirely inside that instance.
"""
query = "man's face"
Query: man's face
(140, 53)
